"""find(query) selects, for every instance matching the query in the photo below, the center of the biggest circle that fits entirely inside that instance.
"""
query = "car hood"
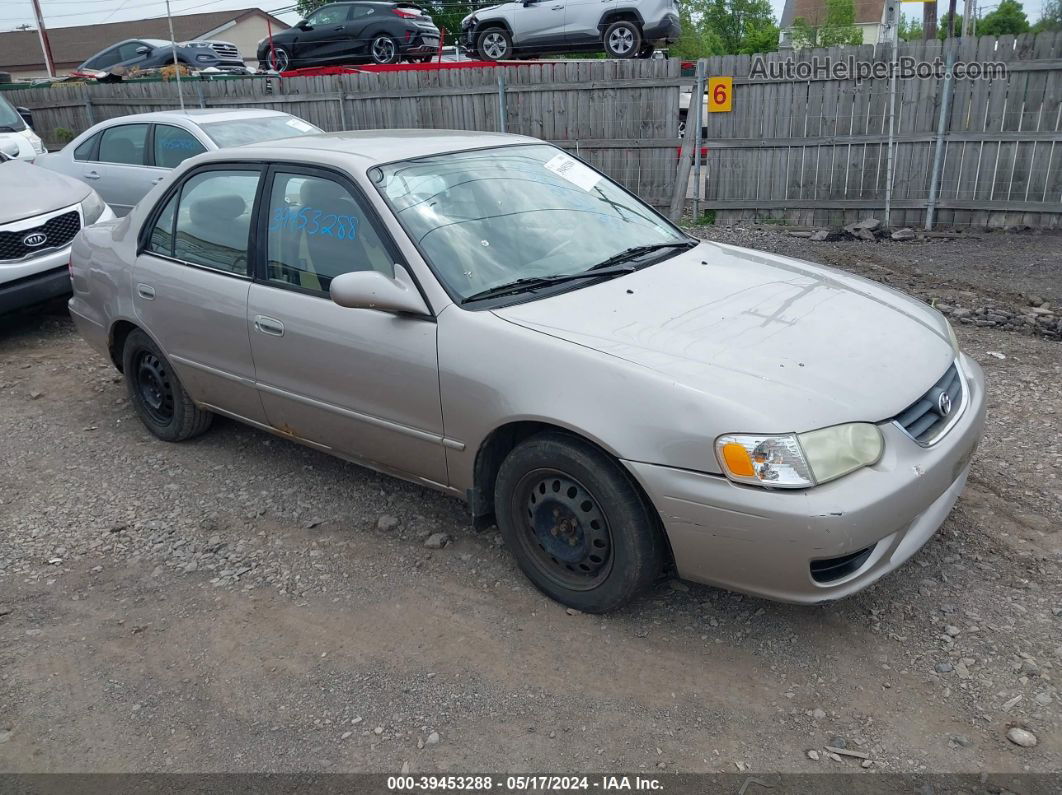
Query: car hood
(769, 339)
(31, 190)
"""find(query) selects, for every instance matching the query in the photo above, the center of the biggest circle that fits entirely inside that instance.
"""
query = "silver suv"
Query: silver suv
(620, 28)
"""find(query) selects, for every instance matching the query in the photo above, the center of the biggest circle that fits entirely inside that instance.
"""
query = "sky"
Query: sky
(63, 13)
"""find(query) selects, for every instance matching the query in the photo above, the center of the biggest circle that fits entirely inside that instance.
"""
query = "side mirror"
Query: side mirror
(302, 24)
(143, 50)
(373, 290)
(9, 148)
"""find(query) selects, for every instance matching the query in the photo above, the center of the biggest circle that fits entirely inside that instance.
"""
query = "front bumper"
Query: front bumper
(37, 288)
(667, 30)
(763, 542)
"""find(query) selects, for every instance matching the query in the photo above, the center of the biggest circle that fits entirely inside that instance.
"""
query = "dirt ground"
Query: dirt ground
(240, 603)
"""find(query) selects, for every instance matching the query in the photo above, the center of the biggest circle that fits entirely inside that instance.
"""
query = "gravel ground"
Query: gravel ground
(241, 603)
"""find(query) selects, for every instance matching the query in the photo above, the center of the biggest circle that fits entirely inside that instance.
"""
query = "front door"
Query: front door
(325, 34)
(539, 24)
(362, 382)
(190, 287)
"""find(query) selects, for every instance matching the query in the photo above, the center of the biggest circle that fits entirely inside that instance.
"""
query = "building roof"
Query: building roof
(814, 11)
(21, 49)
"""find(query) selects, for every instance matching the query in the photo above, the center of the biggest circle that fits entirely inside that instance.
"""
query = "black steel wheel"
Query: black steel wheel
(156, 392)
(576, 523)
(564, 529)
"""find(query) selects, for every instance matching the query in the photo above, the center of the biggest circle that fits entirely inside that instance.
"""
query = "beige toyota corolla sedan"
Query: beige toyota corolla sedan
(489, 316)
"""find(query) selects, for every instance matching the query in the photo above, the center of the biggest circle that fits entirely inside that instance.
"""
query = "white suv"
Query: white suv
(620, 28)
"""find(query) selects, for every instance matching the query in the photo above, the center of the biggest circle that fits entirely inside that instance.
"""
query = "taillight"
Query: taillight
(401, 12)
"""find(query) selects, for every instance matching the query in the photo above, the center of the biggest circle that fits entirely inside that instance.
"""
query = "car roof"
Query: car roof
(384, 146)
(198, 115)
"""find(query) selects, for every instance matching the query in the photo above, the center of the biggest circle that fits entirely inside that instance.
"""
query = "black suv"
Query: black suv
(365, 31)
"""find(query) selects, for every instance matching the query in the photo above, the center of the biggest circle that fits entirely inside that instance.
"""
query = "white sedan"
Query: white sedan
(123, 158)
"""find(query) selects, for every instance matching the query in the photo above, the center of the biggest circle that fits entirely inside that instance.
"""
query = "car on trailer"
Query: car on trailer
(361, 31)
(156, 53)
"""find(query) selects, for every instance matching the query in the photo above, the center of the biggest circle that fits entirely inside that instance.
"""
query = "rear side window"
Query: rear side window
(174, 145)
(86, 149)
(161, 240)
(214, 219)
(124, 144)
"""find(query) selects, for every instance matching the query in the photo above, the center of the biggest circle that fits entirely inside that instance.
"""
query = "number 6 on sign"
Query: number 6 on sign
(720, 94)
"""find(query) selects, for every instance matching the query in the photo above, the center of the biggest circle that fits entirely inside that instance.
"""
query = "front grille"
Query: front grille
(833, 569)
(926, 418)
(227, 51)
(58, 231)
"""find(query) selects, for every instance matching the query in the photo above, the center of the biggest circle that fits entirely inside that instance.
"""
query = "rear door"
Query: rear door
(191, 280)
(121, 173)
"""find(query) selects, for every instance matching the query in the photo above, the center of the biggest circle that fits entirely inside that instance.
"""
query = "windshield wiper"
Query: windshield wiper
(7, 128)
(531, 282)
(638, 251)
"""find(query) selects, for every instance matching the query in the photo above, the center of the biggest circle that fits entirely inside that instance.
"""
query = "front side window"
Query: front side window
(128, 51)
(124, 144)
(318, 230)
(214, 219)
(174, 145)
(490, 217)
(104, 59)
(329, 15)
(262, 128)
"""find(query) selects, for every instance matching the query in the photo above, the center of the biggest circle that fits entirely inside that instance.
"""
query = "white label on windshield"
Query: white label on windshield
(573, 171)
(300, 125)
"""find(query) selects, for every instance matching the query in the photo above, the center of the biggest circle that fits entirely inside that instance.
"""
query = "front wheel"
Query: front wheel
(156, 393)
(384, 50)
(494, 44)
(576, 524)
(278, 59)
(623, 39)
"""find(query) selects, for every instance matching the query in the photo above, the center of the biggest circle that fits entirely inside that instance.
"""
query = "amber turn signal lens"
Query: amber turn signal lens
(737, 460)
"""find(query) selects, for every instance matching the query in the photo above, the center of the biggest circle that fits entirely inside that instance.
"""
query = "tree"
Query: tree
(307, 7)
(943, 32)
(1008, 18)
(1050, 17)
(837, 28)
(741, 25)
(911, 28)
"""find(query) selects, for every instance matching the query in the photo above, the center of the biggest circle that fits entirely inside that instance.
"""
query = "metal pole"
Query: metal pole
(698, 97)
(501, 102)
(968, 13)
(42, 34)
(938, 152)
(176, 66)
(893, 15)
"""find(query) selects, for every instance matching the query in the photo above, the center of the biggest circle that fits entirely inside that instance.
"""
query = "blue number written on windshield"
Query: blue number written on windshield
(314, 222)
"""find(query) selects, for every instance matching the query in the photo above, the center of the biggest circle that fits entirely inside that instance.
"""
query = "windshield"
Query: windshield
(237, 132)
(490, 217)
(10, 121)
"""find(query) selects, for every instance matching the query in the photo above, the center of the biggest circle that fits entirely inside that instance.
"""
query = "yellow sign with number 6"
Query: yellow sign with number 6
(720, 94)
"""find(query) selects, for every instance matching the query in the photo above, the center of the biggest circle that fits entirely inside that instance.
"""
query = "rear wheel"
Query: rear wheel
(576, 524)
(623, 39)
(494, 44)
(156, 393)
(384, 50)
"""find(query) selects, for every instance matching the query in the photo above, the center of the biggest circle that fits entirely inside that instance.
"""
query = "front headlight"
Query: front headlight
(799, 460)
(34, 140)
(92, 207)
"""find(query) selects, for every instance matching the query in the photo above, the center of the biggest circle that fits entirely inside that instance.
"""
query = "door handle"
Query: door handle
(145, 291)
(557, 8)
(269, 325)
(340, 27)
(92, 175)
(157, 180)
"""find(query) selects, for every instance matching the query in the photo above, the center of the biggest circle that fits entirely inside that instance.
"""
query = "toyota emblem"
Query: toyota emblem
(944, 404)
(34, 239)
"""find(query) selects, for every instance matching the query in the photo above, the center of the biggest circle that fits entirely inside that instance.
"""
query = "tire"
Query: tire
(156, 393)
(494, 44)
(384, 50)
(622, 39)
(278, 59)
(577, 525)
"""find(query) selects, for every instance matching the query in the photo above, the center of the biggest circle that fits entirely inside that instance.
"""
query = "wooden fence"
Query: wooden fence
(814, 151)
(622, 116)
